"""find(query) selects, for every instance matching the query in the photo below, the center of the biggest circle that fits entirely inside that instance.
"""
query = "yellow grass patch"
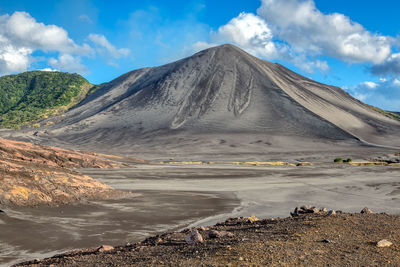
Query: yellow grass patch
(367, 163)
(109, 156)
(270, 163)
(186, 162)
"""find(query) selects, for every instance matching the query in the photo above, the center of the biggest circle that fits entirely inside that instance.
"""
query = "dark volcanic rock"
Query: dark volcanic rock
(303, 210)
(332, 212)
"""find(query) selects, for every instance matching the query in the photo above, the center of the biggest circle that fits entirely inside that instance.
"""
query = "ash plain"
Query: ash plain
(172, 197)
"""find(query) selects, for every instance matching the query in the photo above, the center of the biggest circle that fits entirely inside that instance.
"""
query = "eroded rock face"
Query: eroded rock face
(24, 186)
(51, 156)
(33, 175)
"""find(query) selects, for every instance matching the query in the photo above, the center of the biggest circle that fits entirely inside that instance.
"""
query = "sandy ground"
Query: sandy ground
(173, 197)
(272, 191)
(29, 233)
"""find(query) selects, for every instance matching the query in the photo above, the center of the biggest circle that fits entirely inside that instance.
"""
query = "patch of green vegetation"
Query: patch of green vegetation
(338, 160)
(393, 115)
(36, 95)
(348, 160)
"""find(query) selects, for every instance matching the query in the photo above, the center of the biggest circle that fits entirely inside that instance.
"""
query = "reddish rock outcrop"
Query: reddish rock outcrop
(32, 175)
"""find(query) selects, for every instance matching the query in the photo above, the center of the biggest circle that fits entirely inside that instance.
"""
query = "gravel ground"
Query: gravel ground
(319, 239)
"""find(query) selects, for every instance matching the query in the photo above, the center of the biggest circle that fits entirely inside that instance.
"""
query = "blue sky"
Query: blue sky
(351, 44)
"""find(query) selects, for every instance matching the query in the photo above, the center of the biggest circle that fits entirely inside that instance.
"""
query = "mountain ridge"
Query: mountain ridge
(221, 91)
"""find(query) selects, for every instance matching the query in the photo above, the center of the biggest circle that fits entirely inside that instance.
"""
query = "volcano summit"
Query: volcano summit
(220, 97)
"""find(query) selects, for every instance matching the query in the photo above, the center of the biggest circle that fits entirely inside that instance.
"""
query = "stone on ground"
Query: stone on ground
(384, 243)
(194, 237)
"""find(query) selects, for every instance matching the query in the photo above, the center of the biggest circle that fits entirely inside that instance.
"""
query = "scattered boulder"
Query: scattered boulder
(303, 210)
(214, 234)
(383, 243)
(194, 237)
(315, 210)
(332, 212)
(366, 211)
(105, 248)
(219, 234)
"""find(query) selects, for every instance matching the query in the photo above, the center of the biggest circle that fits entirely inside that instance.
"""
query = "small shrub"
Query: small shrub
(337, 160)
(348, 160)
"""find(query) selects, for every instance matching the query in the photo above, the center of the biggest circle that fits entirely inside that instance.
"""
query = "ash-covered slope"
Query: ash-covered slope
(221, 91)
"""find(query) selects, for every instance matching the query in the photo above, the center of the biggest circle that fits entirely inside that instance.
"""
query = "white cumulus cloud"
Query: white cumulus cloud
(370, 85)
(253, 34)
(307, 29)
(22, 30)
(384, 93)
(247, 31)
(69, 63)
(391, 66)
(21, 35)
(297, 32)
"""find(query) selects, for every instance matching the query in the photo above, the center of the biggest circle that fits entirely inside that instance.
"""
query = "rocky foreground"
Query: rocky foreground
(310, 237)
(33, 175)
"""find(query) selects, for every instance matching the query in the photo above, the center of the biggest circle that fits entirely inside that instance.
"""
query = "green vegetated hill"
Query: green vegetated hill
(35, 95)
